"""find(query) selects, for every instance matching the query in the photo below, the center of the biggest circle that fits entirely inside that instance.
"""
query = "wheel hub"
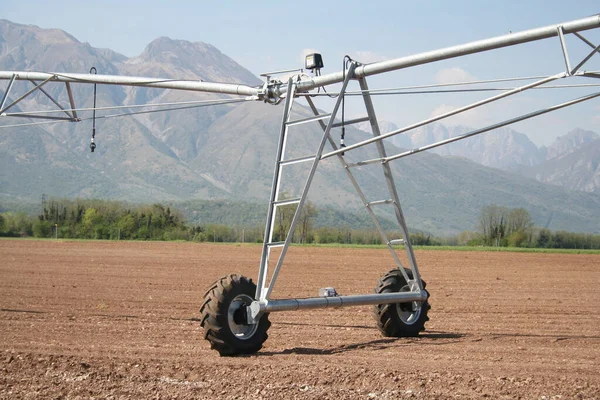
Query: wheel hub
(237, 317)
(410, 312)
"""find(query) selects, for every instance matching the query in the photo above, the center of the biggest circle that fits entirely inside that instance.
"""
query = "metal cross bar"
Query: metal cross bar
(351, 122)
(491, 127)
(69, 118)
(446, 115)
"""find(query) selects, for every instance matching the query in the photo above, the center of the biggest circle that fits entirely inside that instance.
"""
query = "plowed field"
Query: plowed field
(119, 320)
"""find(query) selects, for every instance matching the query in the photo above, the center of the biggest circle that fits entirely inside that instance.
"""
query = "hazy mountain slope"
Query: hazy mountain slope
(570, 142)
(578, 170)
(502, 148)
(228, 151)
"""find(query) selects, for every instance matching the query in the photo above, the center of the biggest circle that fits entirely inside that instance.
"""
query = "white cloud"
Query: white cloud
(453, 75)
(485, 115)
(367, 57)
(471, 118)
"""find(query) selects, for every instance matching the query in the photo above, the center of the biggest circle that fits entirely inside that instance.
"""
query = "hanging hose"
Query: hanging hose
(92, 144)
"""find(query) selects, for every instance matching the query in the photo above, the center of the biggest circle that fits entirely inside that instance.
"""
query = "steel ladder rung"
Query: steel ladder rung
(350, 122)
(276, 244)
(309, 119)
(396, 241)
(286, 202)
(379, 202)
(367, 162)
(296, 160)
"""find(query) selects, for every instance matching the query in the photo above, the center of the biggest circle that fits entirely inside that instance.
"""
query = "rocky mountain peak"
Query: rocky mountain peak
(570, 142)
(9, 31)
(165, 48)
(191, 59)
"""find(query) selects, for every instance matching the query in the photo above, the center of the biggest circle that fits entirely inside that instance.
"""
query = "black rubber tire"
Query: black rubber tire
(218, 328)
(389, 321)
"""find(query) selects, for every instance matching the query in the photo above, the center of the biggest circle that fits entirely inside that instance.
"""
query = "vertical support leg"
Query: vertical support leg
(71, 101)
(564, 49)
(5, 97)
(264, 259)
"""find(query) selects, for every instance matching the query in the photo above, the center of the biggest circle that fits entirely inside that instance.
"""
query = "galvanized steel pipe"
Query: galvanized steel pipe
(497, 42)
(343, 301)
(199, 86)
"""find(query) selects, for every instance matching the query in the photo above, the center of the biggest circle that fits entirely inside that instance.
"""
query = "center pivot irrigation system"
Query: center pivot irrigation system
(235, 312)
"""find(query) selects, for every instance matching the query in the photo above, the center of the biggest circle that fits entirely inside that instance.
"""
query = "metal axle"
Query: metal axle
(257, 308)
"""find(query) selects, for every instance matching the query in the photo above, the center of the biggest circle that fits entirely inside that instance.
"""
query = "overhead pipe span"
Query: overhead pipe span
(497, 42)
(199, 86)
(324, 80)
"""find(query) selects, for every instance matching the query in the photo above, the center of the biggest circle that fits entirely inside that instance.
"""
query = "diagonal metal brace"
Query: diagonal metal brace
(48, 95)
(596, 49)
(51, 77)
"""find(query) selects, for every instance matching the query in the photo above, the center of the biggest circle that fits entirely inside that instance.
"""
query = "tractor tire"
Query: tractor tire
(400, 319)
(224, 317)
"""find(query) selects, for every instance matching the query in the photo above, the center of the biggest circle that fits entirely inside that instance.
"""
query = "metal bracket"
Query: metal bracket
(254, 311)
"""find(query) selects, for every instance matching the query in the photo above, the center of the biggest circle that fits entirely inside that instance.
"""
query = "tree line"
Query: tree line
(514, 227)
(114, 220)
(97, 219)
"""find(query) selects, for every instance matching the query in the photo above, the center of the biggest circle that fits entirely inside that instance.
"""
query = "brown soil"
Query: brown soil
(116, 320)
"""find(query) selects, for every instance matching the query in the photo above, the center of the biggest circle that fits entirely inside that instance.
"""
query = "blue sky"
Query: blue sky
(270, 35)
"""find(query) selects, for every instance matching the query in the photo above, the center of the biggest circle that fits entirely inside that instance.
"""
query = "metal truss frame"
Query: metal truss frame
(71, 112)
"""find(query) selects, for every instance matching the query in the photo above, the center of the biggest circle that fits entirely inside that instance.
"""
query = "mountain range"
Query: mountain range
(228, 151)
(571, 161)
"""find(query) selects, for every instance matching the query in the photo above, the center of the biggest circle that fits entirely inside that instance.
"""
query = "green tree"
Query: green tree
(127, 225)
(519, 220)
(91, 222)
(309, 213)
(42, 229)
(493, 221)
